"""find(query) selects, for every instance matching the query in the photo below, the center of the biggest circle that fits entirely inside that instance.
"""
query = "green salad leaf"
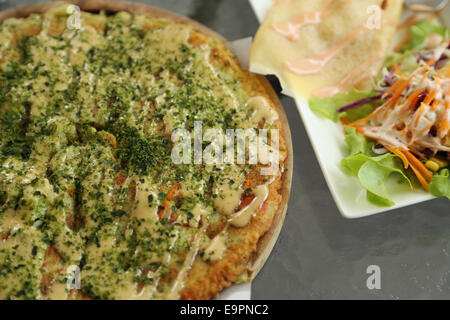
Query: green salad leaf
(372, 170)
(408, 55)
(440, 185)
(328, 107)
(357, 143)
(421, 30)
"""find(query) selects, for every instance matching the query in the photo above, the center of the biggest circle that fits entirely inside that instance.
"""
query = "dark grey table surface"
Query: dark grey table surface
(319, 254)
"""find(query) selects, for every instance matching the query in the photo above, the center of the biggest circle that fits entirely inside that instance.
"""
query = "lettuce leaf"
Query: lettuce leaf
(421, 30)
(357, 143)
(372, 170)
(328, 107)
(440, 185)
(407, 57)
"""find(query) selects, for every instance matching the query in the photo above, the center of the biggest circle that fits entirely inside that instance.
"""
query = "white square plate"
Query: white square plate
(327, 139)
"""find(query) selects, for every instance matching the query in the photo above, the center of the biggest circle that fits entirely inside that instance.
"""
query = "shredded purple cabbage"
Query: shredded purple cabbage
(389, 78)
(428, 152)
(359, 103)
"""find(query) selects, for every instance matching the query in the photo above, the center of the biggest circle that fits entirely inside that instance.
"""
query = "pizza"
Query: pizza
(93, 204)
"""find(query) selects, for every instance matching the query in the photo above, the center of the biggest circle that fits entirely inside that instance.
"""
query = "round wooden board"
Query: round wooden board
(268, 240)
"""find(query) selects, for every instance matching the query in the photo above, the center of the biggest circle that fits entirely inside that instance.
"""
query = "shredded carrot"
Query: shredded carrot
(431, 62)
(370, 116)
(347, 124)
(417, 152)
(344, 121)
(172, 191)
(435, 104)
(430, 97)
(399, 154)
(120, 179)
(161, 212)
(358, 129)
(444, 125)
(418, 165)
(398, 91)
(409, 160)
(425, 75)
(170, 195)
(421, 179)
(414, 97)
(393, 87)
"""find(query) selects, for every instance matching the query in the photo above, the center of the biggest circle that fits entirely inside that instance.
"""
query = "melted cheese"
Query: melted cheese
(228, 193)
(216, 248)
(242, 218)
(178, 284)
(228, 198)
(357, 75)
(198, 214)
(261, 110)
(145, 210)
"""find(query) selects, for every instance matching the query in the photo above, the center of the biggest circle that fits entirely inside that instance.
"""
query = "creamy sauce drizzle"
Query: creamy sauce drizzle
(262, 110)
(174, 292)
(316, 64)
(143, 210)
(217, 247)
(356, 76)
(291, 28)
(228, 197)
(242, 218)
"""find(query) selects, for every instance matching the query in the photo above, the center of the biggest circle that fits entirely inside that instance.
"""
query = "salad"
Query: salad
(401, 127)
